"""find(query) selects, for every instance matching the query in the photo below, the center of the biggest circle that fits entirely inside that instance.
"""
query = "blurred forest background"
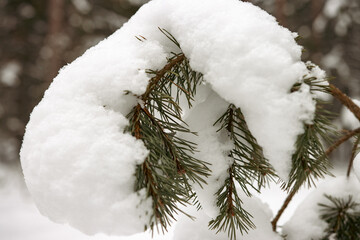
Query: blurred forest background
(38, 37)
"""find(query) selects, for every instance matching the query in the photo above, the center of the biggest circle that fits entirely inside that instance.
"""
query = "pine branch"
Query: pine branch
(247, 153)
(160, 74)
(310, 161)
(342, 217)
(249, 166)
(232, 214)
(169, 168)
(298, 183)
(158, 171)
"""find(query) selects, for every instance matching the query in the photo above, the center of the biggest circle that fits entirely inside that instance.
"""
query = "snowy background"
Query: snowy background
(37, 38)
(20, 219)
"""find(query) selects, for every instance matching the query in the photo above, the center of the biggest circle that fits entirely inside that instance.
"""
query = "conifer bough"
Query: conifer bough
(204, 112)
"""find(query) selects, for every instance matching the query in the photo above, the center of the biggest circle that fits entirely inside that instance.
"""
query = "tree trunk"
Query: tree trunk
(54, 35)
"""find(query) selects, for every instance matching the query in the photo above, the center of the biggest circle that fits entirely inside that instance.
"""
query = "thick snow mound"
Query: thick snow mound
(78, 162)
(198, 230)
(306, 223)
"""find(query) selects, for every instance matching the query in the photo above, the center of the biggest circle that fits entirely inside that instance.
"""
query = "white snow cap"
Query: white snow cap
(77, 161)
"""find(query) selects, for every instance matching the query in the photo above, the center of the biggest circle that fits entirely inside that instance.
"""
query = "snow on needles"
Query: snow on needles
(188, 229)
(306, 222)
(79, 164)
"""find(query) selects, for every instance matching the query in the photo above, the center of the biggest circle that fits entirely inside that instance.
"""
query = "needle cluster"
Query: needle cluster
(170, 167)
(343, 218)
(249, 170)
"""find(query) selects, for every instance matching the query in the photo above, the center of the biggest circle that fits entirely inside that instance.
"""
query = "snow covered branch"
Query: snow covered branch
(140, 127)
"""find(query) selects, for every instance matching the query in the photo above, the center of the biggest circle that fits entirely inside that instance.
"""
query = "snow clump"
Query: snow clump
(77, 161)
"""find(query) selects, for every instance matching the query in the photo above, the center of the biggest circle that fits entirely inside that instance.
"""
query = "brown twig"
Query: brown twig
(344, 138)
(137, 122)
(230, 209)
(353, 152)
(160, 74)
(152, 83)
(182, 89)
(283, 207)
(229, 126)
(152, 186)
(344, 99)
